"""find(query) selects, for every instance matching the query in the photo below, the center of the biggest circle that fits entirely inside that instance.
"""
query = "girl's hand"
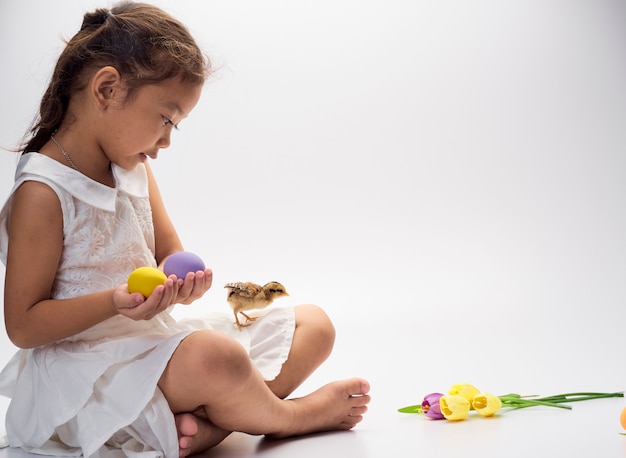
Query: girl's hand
(136, 307)
(193, 286)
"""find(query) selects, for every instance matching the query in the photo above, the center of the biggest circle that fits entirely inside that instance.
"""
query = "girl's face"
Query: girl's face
(139, 127)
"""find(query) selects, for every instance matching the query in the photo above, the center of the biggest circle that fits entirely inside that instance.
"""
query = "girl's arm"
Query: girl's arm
(165, 235)
(167, 242)
(34, 252)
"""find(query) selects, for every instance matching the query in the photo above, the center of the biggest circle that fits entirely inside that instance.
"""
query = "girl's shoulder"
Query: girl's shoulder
(35, 195)
(41, 175)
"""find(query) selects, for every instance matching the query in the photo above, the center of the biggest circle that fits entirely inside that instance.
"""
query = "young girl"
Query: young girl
(99, 369)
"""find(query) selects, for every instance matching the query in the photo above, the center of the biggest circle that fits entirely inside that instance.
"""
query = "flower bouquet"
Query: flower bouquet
(463, 398)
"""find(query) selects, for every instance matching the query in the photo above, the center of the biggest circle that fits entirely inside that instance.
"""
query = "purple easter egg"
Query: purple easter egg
(181, 263)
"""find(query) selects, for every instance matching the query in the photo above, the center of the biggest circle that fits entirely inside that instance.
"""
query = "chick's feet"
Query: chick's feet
(196, 434)
(248, 317)
(339, 405)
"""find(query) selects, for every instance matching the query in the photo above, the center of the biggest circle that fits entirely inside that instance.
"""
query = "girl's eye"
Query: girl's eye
(167, 121)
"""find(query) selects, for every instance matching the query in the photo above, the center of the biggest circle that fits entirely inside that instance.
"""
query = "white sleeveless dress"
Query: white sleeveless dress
(96, 393)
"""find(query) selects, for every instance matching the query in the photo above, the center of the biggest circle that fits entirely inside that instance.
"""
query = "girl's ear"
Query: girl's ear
(105, 83)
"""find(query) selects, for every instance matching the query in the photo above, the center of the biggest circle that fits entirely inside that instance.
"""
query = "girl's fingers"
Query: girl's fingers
(194, 286)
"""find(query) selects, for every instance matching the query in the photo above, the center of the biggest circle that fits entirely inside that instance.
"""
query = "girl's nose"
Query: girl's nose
(164, 140)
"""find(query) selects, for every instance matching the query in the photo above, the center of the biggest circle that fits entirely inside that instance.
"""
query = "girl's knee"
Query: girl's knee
(313, 320)
(213, 352)
(204, 359)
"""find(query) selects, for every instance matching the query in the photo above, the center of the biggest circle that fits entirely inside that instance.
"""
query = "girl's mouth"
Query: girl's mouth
(145, 156)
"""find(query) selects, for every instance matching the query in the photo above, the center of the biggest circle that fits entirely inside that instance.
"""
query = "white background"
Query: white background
(446, 178)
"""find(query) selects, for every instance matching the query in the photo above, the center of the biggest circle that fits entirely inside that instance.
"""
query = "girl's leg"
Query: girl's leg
(313, 341)
(212, 372)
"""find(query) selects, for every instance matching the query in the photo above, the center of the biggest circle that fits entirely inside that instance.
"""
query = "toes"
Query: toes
(187, 428)
(183, 452)
(186, 425)
(184, 446)
(359, 401)
(351, 421)
(358, 411)
(185, 442)
(358, 387)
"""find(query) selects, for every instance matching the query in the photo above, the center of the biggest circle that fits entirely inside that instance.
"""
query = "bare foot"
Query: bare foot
(196, 434)
(187, 427)
(339, 405)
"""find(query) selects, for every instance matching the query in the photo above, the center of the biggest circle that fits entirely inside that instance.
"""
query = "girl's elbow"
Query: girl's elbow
(20, 337)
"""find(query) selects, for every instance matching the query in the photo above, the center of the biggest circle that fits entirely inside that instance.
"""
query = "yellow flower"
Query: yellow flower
(454, 407)
(464, 390)
(486, 404)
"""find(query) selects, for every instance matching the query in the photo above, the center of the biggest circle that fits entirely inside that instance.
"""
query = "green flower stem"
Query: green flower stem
(583, 396)
(518, 402)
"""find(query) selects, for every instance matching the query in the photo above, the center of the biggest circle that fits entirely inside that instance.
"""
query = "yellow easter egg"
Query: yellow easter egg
(144, 279)
(622, 418)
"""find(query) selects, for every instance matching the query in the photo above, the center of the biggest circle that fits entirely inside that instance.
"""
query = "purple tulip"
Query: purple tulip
(430, 406)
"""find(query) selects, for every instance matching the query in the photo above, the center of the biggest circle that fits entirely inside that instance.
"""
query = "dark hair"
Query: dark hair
(146, 46)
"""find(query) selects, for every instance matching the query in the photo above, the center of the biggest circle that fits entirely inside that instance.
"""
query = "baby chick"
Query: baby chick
(248, 296)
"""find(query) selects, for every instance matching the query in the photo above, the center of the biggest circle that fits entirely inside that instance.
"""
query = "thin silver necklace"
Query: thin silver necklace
(67, 156)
